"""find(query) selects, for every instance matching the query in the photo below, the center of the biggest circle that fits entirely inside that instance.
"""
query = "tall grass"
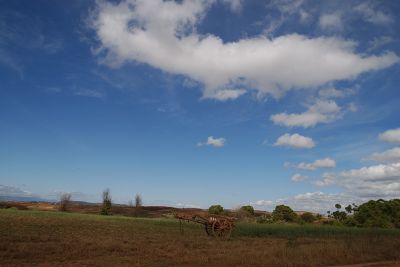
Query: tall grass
(288, 231)
(294, 231)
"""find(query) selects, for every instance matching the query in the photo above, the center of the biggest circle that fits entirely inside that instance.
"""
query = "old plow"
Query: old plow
(215, 225)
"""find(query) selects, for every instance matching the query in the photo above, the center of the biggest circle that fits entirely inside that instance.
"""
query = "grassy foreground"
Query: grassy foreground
(39, 238)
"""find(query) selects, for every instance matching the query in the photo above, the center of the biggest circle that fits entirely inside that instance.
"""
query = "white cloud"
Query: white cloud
(391, 136)
(390, 155)
(371, 14)
(375, 173)
(330, 21)
(322, 111)
(263, 203)
(295, 141)
(298, 177)
(6, 190)
(319, 163)
(332, 92)
(327, 179)
(311, 201)
(377, 181)
(163, 35)
(371, 182)
(215, 142)
(227, 94)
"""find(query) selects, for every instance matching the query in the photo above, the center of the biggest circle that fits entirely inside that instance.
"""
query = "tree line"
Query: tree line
(106, 205)
(374, 213)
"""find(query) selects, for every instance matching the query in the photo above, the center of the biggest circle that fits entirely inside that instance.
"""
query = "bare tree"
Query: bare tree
(106, 206)
(138, 205)
(65, 201)
(138, 201)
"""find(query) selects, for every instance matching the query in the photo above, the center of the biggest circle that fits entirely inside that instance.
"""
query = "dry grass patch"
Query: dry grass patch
(36, 238)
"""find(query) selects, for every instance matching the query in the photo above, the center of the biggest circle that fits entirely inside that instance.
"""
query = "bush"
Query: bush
(215, 209)
(339, 215)
(248, 209)
(106, 206)
(284, 213)
(350, 221)
(308, 217)
(266, 218)
(378, 213)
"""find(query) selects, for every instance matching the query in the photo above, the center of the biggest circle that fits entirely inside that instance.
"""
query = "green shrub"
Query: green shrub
(284, 213)
(248, 209)
(106, 206)
(339, 215)
(378, 213)
(308, 217)
(350, 221)
(215, 209)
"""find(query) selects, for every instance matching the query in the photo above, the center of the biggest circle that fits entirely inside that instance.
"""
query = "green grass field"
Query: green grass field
(44, 238)
(297, 231)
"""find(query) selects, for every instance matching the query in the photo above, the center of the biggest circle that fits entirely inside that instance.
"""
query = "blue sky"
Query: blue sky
(193, 103)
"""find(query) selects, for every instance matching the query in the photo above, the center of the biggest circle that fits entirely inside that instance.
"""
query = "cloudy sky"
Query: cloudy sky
(192, 103)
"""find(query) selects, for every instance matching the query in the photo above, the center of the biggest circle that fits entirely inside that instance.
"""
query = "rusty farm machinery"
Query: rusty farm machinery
(215, 225)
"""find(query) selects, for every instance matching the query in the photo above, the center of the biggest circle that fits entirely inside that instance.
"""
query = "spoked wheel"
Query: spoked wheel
(221, 229)
(209, 229)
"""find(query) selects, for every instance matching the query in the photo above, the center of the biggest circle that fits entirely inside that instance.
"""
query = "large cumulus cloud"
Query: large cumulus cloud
(163, 35)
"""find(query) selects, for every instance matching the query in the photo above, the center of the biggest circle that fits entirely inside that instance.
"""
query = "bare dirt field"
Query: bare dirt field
(48, 238)
(375, 264)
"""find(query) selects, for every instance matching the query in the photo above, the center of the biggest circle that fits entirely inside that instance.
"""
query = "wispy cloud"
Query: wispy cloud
(14, 191)
(322, 111)
(89, 93)
(12, 62)
(319, 163)
(332, 92)
(24, 33)
(331, 21)
(235, 5)
(298, 177)
(379, 42)
(371, 14)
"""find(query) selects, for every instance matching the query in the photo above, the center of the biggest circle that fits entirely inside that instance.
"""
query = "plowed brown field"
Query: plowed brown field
(45, 238)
